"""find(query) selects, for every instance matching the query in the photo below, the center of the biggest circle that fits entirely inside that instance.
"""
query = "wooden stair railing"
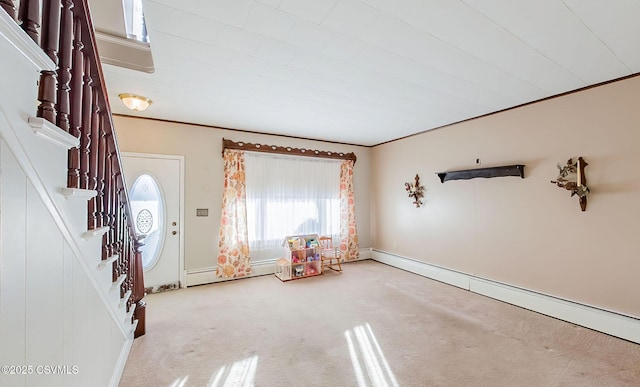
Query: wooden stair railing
(75, 99)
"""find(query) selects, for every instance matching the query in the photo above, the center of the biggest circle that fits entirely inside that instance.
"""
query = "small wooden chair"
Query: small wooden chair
(329, 255)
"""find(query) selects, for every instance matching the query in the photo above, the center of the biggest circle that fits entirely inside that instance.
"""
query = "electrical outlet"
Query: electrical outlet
(202, 212)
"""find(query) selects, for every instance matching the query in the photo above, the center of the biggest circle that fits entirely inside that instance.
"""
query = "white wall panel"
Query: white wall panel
(44, 290)
(67, 309)
(80, 313)
(53, 308)
(12, 265)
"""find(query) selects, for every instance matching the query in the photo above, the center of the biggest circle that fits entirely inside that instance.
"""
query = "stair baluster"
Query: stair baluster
(101, 155)
(88, 108)
(29, 14)
(64, 69)
(9, 7)
(47, 90)
(77, 90)
(92, 156)
(75, 99)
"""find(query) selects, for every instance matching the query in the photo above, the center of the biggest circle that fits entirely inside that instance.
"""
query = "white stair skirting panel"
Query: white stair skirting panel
(612, 323)
(122, 359)
(55, 304)
(23, 44)
(46, 194)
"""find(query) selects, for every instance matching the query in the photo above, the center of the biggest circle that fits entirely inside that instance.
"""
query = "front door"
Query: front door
(155, 193)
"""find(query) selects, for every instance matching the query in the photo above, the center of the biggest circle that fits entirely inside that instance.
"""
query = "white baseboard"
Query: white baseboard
(365, 253)
(447, 276)
(207, 275)
(122, 361)
(612, 323)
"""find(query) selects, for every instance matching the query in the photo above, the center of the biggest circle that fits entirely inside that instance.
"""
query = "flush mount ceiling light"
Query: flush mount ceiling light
(135, 102)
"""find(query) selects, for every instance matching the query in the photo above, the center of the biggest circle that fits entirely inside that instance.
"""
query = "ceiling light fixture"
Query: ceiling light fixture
(135, 102)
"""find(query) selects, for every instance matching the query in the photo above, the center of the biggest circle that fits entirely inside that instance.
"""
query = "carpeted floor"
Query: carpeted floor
(372, 325)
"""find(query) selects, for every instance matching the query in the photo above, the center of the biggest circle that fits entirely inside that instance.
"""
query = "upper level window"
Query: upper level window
(134, 20)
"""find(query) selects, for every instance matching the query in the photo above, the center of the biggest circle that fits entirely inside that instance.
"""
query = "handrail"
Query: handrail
(75, 99)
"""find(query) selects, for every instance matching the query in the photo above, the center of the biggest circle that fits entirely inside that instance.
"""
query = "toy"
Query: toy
(301, 257)
(295, 243)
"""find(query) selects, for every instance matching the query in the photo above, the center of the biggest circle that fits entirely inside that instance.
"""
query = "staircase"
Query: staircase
(71, 283)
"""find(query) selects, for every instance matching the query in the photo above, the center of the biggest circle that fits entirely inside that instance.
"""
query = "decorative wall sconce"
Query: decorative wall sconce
(571, 177)
(415, 191)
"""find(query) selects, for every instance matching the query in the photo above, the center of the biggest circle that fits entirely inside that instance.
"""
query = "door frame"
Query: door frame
(182, 273)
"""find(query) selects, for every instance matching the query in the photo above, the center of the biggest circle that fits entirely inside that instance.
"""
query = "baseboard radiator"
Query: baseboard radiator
(207, 275)
(612, 323)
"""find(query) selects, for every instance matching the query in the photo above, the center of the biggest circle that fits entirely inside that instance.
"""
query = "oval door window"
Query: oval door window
(147, 208)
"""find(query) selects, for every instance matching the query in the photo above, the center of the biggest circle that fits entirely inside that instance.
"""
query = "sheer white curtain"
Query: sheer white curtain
(288, 195)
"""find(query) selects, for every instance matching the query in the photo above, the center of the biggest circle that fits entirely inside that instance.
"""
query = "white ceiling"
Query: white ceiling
(369, 71)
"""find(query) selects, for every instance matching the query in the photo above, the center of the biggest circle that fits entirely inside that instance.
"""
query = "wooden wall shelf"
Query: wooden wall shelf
(466, 174)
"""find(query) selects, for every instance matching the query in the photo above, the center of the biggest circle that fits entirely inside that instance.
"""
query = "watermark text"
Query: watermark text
(47, 369)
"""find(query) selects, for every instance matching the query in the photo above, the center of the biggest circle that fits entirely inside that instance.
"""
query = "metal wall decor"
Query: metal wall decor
(571, 177)
(415, 191)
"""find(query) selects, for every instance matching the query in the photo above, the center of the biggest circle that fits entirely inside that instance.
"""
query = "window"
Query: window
(134, 20)
(288, 195)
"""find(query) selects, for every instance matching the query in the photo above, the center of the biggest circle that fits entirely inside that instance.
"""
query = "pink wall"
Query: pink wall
(525, 232)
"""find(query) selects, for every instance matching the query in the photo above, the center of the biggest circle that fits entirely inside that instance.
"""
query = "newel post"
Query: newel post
(138, 290)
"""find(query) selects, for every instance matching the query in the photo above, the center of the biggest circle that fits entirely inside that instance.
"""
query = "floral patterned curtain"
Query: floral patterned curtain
(233, 257)
(348, 235)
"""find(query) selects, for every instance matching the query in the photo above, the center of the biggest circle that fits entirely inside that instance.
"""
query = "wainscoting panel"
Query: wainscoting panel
(13, 201)
(54, 306)
(50, 312)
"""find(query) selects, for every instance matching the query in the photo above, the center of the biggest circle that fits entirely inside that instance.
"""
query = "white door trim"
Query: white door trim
(183, 273)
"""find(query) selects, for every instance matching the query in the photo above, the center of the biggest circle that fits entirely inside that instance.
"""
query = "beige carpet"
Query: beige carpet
(373, 325)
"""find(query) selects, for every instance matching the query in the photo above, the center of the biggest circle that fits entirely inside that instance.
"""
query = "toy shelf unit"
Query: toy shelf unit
(301, 258)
